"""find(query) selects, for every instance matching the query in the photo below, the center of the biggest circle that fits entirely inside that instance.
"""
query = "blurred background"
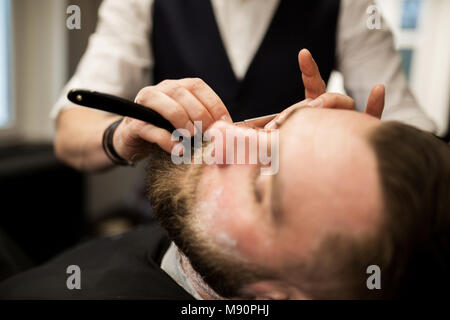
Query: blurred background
(46, 206)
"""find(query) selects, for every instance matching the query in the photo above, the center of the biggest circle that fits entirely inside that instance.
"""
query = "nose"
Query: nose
(238, 145)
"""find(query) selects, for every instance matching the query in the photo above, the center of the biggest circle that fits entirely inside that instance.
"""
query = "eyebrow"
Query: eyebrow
(275, 201)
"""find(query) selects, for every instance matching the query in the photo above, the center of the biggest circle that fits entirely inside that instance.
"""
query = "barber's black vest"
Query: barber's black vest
(187, 43)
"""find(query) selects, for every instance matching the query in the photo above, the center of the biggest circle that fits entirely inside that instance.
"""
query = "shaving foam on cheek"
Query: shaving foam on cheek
(207, 210)
(212, 219)
(224, 239)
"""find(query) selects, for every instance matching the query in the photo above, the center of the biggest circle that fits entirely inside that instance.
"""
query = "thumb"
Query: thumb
(375, 104)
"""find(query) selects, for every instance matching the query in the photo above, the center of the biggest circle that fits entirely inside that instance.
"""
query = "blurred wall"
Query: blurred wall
(45, 55)
(430, 72)
(39, 71)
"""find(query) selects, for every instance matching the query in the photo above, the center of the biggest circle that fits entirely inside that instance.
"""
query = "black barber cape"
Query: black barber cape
(120, 267)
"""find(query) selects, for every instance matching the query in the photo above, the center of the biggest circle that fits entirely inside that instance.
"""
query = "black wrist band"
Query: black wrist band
(108, 146)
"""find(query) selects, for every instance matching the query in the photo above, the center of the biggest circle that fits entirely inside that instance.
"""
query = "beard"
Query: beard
(172, 191)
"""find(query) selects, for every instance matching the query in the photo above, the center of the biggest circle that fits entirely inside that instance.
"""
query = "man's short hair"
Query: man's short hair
(412, 246)
(414, 169)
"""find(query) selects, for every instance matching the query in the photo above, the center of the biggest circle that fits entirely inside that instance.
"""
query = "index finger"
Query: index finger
(312, 80)
(208, 98)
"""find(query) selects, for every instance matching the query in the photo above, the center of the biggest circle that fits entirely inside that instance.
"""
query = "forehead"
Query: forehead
(328, 173)
(325, 137)
(337, 120)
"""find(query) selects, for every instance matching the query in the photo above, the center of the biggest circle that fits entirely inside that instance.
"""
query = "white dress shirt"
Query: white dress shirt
(119, 58)
(171, 264)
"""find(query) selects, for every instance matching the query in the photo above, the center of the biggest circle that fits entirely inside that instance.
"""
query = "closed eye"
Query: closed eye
(256, 190)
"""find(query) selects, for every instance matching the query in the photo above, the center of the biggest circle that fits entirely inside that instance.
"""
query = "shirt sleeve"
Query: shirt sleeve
(368, 57)
(118, 59)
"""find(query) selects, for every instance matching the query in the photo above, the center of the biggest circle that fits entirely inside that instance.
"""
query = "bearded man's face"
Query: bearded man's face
(237, 226)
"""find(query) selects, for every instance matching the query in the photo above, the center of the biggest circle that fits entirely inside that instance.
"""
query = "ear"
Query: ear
(272, 290)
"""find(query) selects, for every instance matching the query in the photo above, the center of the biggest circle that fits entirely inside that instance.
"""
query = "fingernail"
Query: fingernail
(226, 118)
(279, 121)
(280, 118)
(317, 103)
(271, 125)
(190, 127)
(178, 149)
(306, 101)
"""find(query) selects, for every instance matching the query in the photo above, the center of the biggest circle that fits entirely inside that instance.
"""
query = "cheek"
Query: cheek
(227, 216)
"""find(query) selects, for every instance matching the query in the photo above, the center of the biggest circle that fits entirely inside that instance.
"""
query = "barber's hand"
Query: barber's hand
(315, 90)
(316, 95)
(181, 102)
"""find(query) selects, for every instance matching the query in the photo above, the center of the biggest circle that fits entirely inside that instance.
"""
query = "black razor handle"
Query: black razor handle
(120, 106)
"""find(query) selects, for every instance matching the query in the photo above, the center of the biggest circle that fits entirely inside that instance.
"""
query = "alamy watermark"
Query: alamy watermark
(374, 280)
(73, 21)
(374, 20)
(73, 281)
(241, 146)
